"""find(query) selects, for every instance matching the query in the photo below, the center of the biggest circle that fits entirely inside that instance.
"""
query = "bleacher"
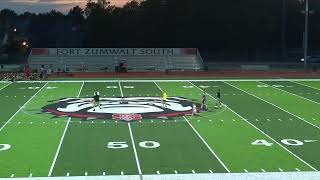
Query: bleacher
(184, 59)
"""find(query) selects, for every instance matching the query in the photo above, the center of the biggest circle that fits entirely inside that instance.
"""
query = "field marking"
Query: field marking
(280, 170)
(134, 150)
(265, 133)
(158, 86)
(210, 149)
(274, 105)
(132, 141)
(62, 138)
(22, 107)
(5, 86)
(120, 89)
(291, 93)
(305, 85)
(224, 166)
(171, 80)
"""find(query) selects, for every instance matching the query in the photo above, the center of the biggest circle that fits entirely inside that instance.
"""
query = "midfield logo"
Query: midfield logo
(126, 109)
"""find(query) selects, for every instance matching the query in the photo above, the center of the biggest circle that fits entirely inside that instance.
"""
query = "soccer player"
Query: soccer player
(218, 98)
(204, 102)
(96, 100)
(164, 99)
(194, 110)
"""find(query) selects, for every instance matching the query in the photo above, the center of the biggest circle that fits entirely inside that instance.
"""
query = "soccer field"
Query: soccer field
(50, 128)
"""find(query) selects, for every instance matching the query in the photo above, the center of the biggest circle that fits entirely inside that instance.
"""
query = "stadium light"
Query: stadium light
(15, 30)
(24, 43)
(305, 34)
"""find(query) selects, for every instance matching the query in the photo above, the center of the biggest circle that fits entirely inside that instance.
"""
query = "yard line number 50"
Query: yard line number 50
(123, 144)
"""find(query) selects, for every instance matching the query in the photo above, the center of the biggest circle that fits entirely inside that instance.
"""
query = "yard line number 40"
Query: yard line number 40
(289, 142)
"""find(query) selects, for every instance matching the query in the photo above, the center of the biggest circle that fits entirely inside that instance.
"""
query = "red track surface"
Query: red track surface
(227, 74)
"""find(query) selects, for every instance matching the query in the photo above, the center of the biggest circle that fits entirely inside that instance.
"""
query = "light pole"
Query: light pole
(306, 24)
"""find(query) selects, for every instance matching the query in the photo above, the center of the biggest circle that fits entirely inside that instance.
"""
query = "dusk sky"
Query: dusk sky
(38, 6)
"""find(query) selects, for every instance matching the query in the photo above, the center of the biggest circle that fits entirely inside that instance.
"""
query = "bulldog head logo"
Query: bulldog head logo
(127, 108)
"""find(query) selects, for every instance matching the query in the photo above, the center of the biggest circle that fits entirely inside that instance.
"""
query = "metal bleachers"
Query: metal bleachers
(100, 63)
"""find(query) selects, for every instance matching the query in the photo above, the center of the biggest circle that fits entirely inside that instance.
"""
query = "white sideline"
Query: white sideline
(206, 144)
(61, 140)
(22, 107)
(168, 80)
(290, 93)
(204, 176)
(265, 133)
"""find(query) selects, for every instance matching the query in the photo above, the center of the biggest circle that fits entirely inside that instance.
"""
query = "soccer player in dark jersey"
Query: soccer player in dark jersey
(218, 98)
(96, 100)
(204, 102)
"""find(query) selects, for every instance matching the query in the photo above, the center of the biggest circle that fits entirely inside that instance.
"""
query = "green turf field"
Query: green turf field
(50, 128)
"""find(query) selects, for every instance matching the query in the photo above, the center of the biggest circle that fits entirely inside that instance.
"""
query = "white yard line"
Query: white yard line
(158, 86)
(132, 140)
(265, 133)
(225, 167)
(22, 107)
(175, 80)
(120, 89)
(291, 93)
(134, 149)
(274, 105)
(5, 86)
(207, 145)
(61, 140)
(305, 85)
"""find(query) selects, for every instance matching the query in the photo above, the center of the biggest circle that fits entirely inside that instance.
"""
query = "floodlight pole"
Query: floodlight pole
(305, 37)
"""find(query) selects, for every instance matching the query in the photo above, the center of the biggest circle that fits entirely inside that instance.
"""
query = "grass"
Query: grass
(269, 126)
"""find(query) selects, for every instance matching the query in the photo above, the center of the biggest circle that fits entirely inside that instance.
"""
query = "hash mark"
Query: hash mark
(30, 175)
(193, 172)
(280, 170)
(245, 170)
(297, 169)
(86, 174)
(210, 171)
(263, 170)
(122, 173)
(12, 175)
(68, 174)
(175, 171)
(158, 172)
(268, 119)
(104, 173)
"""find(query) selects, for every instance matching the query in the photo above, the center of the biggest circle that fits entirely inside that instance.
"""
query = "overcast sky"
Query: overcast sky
(38, 6)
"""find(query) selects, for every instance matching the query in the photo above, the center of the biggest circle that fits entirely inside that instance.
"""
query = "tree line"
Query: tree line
(234, 28)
